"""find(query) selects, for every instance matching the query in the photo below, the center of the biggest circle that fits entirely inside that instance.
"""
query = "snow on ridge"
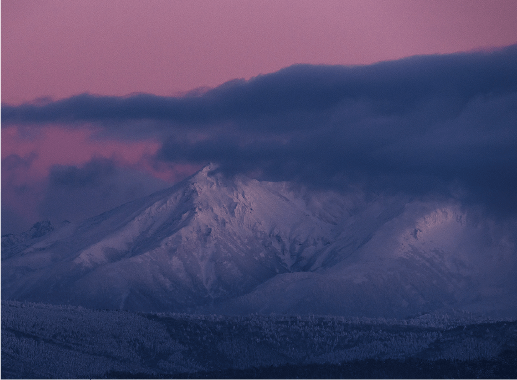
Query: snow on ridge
(144, 222)
(212, 239)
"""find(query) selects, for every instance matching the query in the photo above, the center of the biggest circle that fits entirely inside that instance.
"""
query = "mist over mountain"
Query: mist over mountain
(234, 245)
(439, 126)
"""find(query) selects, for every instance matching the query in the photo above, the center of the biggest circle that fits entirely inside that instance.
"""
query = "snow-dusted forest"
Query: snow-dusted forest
(48, 341)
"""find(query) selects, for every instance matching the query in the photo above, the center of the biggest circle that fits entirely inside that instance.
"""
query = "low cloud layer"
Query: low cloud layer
(88, 190)
(69, 192)
(432, 125)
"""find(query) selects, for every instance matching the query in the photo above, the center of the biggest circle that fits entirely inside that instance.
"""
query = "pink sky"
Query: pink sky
(59, 48)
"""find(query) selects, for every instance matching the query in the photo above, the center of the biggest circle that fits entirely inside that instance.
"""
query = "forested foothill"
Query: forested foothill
(48, 341)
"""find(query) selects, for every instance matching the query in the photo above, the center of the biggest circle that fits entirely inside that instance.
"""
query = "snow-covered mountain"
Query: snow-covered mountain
(215, 244)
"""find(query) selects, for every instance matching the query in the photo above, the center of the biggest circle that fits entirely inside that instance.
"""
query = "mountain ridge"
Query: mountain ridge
(231, 245)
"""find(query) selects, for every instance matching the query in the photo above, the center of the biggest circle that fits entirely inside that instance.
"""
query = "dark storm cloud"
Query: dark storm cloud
(78, 192)
(15, 162)
(445, 125)
(69, 192)
(15, 185)
(395, 86)
(91, 174)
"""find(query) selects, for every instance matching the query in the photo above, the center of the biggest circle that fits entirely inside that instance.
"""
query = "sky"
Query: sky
(106, 101)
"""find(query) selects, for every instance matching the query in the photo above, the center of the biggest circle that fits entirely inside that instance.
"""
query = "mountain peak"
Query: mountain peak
(39, 229)
(208, 169)
(242, 244)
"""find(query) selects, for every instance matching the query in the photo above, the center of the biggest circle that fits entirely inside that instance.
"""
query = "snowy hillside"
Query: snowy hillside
(214, 244)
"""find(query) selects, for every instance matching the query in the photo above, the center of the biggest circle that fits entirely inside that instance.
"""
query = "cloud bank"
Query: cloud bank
(443, 125)
(69, 192)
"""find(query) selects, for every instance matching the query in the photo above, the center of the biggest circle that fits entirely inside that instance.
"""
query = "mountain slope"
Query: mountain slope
(214, 244)
(203, 239)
